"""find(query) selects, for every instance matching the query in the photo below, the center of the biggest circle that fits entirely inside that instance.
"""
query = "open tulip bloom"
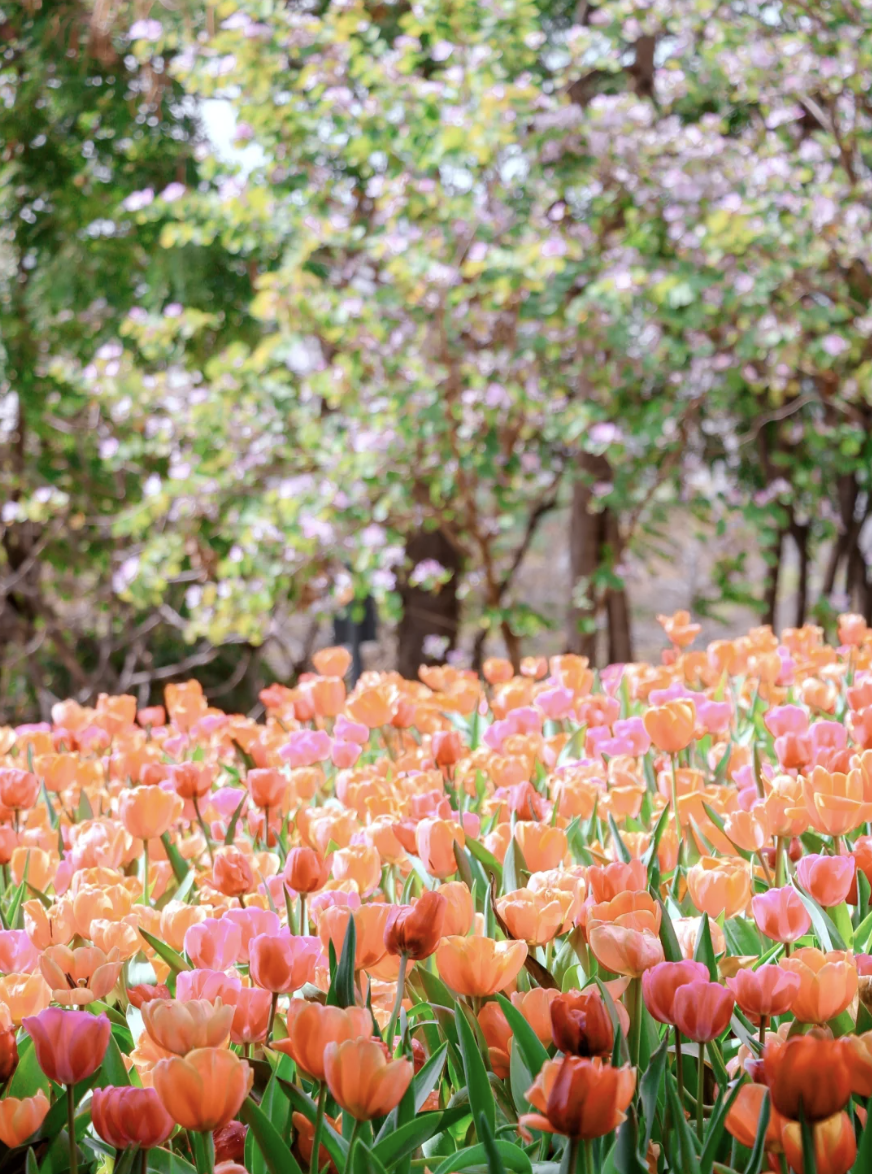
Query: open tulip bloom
(534, 920)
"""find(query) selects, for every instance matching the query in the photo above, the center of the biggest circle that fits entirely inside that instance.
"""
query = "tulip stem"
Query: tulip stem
(636, 1020)
(143, 1161)
(679, 1067)
(204, 830)
(353, 1138)
(779, 861)
(316, 1134)
(766, 871)
(673, 759)
(398, 1002)
(146, 898)
(763, 1021)
(700, 1092)
(304, 925)
(272, 1015)
(71, 1130)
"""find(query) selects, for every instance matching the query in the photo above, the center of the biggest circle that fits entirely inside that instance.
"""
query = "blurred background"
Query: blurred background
(439, 329)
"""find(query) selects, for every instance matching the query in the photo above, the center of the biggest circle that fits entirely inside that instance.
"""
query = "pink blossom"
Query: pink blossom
(556, 703)
(215, 943)
(786, 719)
(344, 754)
(345, 730)
(306, 747)
(207, 984)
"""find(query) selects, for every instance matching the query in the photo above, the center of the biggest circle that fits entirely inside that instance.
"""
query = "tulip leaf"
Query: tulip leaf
(463, 866)
(174, 960)
(234, 819)
(649, 1089)
(718, 821)
(656, 835)
(512, 1157)
(406, 1138)
(531, 1046)
(620, 847)
(625, 1152)
(176, 859)
(335, 1145)
(341, 992)
(276, 1155)
(492, 1155)
(84, 810)
(758, 1153)
(863, 934)
(28, 1078)
(704, 950)
(427, 1079)
(481, 1098)
(742, 937)
(514, 867)
(687, 1157)
(824, 926)
(715, 1130)
(362, 1160)
(486, 859)
(520, 1079)
(864, 1153)
(668, 937)
(113, 1070)
(49, 806)
(31, 1166)
(161, 1161)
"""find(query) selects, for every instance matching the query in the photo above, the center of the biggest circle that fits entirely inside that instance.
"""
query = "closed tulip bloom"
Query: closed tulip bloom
(182, 1027)
(625, 951)
(479, 967)
(543, 847)
(20, 1118)
(250, 1016)
(232, 874)
(205, 1089)
(251, 922)
(671, 726)
(827, 878)
(780, 914)
(535, 1006)
(859, 1057)
(370, 922)
(146, 991)
(229, 1143)
(332, 662)
(19, 789)
(606, 881)
(460, 911)
(434, 844)
(810, 1071)
(130, 1116)
(743, 1118)
(23, 995)
(207, 984)
(214, 943)
(282, 963)
(362, 1080)
(719, 886)
(498, 1037)
(312, 1026)
(447, 747)
(531, 916)
(581, 1024)
(581, 1098)
(305, 870)
(8, 1053)
(267, 786)
(191, 780)
(69, 1045)
(632, 910)
(661, 982)
(828, 983)
(702, 1010)
(765, 992)
(835, 1144)
(415, 930)
(148, 812)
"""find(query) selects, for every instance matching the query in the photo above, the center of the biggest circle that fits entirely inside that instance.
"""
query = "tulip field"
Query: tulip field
(549, 920)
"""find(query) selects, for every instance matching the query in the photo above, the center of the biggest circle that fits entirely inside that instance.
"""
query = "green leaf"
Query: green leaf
(234, 820)
(463, 868)
(175, 961)
(427, 1079)
(809, 1157)
(620, 847)
(486, 859)
(512, 1156)
(649, 1089)
(492, 1154)
(113, 1070)
(515, 871)
(176, 859)
(520, 1079)
(84, 810)
(481, 1097)
(742, 937)
(49, 806)
(162, 1161)
(828, 936)
(407, 1138)
(341, 992)
(362, 1160)
(758, 1153)
(687, 1157)
(668, 937)
(31, 1166)
(28, 1078)
(704, 950)
(335, 1145)
(526, 1039)
(715, 1130)
(276, 1155)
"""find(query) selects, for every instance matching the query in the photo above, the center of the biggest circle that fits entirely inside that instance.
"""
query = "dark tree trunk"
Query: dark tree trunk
(617, 601)
(585, 540)
(773, 578)
(428, 613)
(800, 537)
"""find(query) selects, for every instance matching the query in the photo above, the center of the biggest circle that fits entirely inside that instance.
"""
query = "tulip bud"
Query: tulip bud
(8, 1054)
(415, 930)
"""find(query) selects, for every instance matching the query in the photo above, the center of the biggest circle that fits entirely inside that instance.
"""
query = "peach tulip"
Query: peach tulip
(203, 1090)
(479, 967)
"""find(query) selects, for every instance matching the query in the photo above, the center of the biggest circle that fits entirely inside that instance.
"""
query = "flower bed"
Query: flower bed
(558, 919)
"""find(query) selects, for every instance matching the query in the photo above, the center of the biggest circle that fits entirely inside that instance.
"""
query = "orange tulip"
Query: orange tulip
(836, 802)
(148, 812)
(78, 977)
(434, 843)
(205, 1089)
(305, 871)
(415, 930)
(370, 707)
(267, 786)
(828, 983)
(671, 726)
(498, 1037)
(535, 1005)
(312, 1026)
(531, 916)
(232, 873)
(370, 922)
(581, 1024)
(835, 1144)
(359, 863)
(479, 967)
(362, 1080)
(827, 878)
(542, 846)
(859, 1056)
(744, 1117)
(130, 1116)
(332, 662)
(460, 911)
(719, 886)
(282, 962)
(182, 1027)
(808, 1071)
(23, 995)
(20, 1119)
(702, 1010)
(251, 1013)
(765, 992)
(631, 910)
(661, 982)
(623, 950)
(581, 1098)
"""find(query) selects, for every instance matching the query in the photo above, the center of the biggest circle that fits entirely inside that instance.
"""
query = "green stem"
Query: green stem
(143, 1161)
(700, 1092)
(675, 814)
(679, 1067)
(146, 899)
(779, 861)
(272, 1015)
(319, 1121)
(354, 1132)
(763, 1021)
(204, 830)
(398, 1002)
(71, 1130)
(585, 1157)
(636, 1020)
(304, 925)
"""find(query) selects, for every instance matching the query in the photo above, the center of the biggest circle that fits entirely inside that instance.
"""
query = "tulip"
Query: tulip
(625, 951)
(765, 992)
(251, 922)
(370, 922)
(535, 1006)
(744, 1117)
(808, 1072)
(8, 1053)
(579, 1097)
(362, 1080)
(207, 984)
(661, 983)
(20, 1118)
(312, 1026)
(460, 911)
(250, 1016)
(671, 726)
(282, 963)
(702, 1010)
(232, 874)
(607, 881)
(859, 1056)
(145, 992)
(305, 872)
(827, 878)
(69, 1045)
(205, 1089)
(130, 1116)
(632, 910)
(581, 1024)
(542, 846)
(719, 886)
(413, 931)
(267, 786)
(780, 914)
(332, 662)
(531, 916)
(191, 780)
(19, 789)
(78, 977)
(836, 801)
(828, 983)
(183, 1027)
(229, 1142)
(498, 1037)
(835, 1145)
(479, 967)
(148, 812)
(434, 844)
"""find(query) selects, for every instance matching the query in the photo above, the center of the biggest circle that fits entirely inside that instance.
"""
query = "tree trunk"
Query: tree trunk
(773, 577)
(800, 537)
(428, 613)
(617, 601)
(585, 541)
